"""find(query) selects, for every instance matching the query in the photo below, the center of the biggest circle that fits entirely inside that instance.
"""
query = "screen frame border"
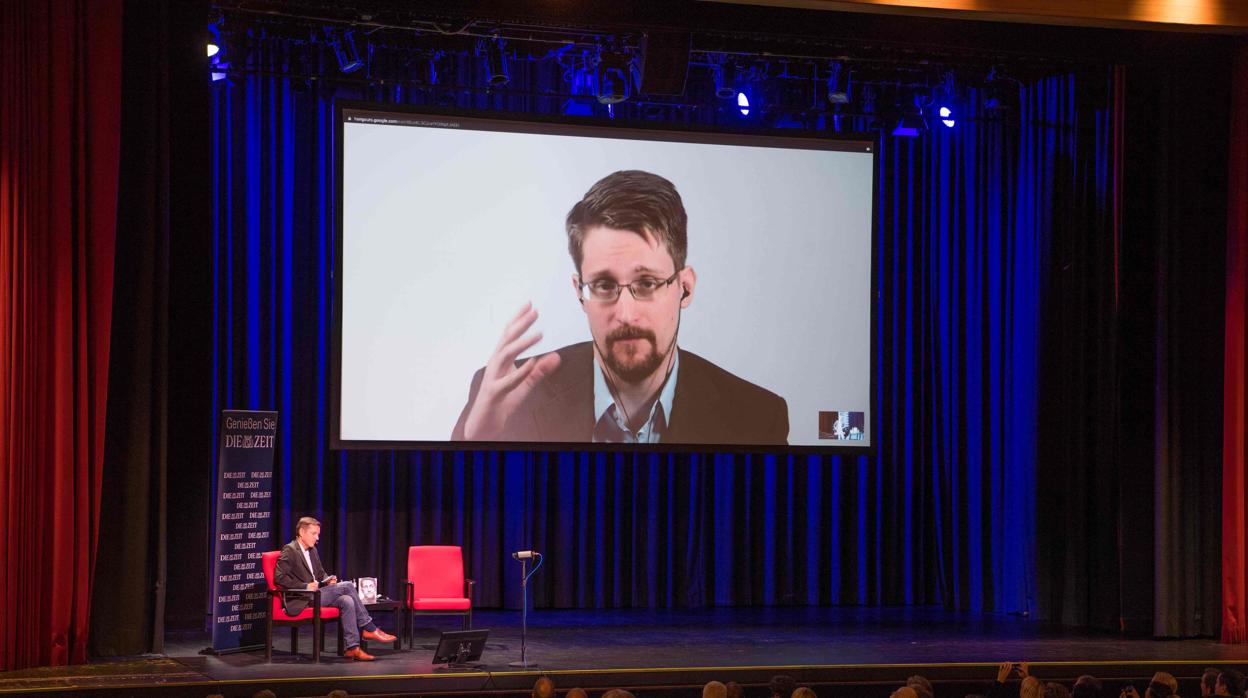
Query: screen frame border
(628, 130)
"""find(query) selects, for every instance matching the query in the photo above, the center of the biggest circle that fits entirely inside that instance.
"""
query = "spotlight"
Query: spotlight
(217, 66)
(496, 64)
(347, 54)
(947, 92)
(838, 89)
(612, 77)
(743, 103)
(214, 37)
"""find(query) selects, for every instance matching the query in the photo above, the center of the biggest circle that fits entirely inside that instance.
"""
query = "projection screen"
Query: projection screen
(506, 282)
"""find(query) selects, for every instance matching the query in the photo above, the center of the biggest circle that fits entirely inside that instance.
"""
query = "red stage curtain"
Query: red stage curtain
(1235, 395)
(60, 86)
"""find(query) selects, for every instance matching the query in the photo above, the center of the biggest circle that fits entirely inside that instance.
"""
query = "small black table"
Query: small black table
(395, 607)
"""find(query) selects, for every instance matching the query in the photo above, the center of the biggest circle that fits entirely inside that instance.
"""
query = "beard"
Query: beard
(632, 364)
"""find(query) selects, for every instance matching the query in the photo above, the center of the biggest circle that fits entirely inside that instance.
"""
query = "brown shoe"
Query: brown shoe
(379, 635)
(359, 655)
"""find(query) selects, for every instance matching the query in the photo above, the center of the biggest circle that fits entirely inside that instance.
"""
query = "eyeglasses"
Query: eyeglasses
(608, 291)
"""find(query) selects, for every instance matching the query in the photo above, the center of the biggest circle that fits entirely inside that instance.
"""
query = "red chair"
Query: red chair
(313, 614)
(435, 584)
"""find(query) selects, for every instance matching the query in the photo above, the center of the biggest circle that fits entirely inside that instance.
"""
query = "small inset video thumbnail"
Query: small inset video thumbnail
(842, 425)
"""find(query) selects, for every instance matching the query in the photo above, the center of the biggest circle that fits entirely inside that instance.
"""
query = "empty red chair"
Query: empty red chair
(277, 614)
(435, 584)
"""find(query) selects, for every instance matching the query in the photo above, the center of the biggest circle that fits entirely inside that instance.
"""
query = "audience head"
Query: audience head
(804, 692)
(338, 693)
(1209, 681)
(577, 692)
(714, 689)
(1055, 690)
(917, 681)
(618, 693)
(1163, 685)
(735, 690)
(544, 688)
(1030, 688)
(1087, 686)
(782, 686)
(1230, 683)
(905, 692)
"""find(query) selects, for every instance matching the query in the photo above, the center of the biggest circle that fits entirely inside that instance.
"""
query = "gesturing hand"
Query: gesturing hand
(504, 385)
(1003, 671)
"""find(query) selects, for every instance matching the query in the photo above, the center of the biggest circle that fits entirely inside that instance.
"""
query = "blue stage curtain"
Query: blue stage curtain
(942, 513)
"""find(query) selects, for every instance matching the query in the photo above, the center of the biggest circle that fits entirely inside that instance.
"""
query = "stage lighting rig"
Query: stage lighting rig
(217, 65)
(1001, 91)
(345, 50)
(612, 76)
(946, 101)
(496, 71)
(725, 75)
(838, 84)
(911, 122)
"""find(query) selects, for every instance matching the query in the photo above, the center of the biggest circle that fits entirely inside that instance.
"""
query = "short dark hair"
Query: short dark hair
(782, 685)
(634, 200)
(1209, 679)
(1087, 686)
(1233, 680)
(735, 690)
(306, 522)
(1055, 690)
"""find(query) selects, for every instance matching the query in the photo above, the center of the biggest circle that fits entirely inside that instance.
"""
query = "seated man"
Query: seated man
(299, 567)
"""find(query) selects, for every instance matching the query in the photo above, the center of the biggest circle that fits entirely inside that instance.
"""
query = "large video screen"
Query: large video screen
(536, 284)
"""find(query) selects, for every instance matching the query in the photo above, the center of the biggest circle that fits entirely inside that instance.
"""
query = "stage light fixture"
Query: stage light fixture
(1001, 91)
(743, 103)
(725, 81)
(217, 66)
(910, 125)
(612, 77)
(838, 86)
(496, 64)
(945, 99)
(214, 37)
(346, 52)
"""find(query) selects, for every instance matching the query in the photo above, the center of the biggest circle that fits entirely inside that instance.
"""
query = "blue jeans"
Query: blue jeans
(351, 611)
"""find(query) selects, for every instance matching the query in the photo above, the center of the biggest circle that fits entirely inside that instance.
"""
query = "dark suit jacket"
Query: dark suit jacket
(292, 572)
(711, 405)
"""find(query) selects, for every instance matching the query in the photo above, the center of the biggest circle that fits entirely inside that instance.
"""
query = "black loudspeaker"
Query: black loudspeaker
(665, 62)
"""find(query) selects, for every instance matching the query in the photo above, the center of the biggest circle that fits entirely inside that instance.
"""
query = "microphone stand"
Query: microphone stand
(524, 612)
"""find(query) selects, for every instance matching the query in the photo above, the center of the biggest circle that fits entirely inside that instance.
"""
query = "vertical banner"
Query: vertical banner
(244, 528)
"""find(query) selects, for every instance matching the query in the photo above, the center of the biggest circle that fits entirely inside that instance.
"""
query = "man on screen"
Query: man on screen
(630, 383)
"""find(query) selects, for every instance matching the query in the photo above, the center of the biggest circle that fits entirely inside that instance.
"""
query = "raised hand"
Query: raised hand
(504, 385)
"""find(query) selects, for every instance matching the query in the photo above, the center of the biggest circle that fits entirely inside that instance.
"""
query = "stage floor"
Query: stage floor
(669, 651)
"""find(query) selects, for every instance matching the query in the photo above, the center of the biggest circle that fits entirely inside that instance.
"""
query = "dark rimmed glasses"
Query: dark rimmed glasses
(608, 291)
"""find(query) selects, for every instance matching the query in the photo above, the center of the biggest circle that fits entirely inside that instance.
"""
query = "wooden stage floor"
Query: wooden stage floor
(846, 652)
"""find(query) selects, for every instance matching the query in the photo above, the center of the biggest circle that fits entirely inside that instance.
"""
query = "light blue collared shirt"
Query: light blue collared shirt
(609, 425)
